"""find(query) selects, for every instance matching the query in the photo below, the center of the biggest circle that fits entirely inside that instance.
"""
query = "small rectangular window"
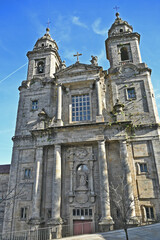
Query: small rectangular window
(82, 212)
(27, 173)
(74, 212)
(34, 105)
(86, 212)
(78, 212)
(149, 212)
(131, 94)
(118, 213)
(143, 167)
(49, 213)
(24, 213)
(90, 212)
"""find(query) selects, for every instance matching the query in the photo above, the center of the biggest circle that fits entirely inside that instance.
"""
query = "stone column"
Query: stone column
(59, 104)
(99, 118)
(56, 187)
(106, 218)
(127, 181)
(37, 186)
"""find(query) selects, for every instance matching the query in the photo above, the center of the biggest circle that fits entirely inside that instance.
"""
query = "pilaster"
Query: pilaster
(99, 117)
(127, 181)
(59, 105)
(56, 186)
(36, 206)
(106, 218)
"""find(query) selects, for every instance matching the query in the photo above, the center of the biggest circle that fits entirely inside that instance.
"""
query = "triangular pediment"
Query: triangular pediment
(77, 68)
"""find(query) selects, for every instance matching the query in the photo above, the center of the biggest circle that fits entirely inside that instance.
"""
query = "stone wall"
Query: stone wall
(4, 179)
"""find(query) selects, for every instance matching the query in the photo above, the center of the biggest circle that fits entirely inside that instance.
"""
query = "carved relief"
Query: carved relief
(81, 198)
(79, 154)
(81, 169)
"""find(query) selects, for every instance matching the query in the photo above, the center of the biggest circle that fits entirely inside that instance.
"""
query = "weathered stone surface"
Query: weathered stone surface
(73, 140)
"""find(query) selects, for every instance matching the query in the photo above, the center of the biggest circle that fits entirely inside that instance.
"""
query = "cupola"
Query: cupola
(44, 60)
(122, 44)
(119, 27)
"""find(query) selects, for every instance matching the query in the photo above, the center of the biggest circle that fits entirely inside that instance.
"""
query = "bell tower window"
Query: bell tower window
(124, 54)
(40, 67)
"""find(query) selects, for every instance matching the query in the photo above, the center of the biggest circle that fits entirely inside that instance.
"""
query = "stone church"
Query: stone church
(80, 131)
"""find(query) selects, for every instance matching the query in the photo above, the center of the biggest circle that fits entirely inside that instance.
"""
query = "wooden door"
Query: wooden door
(82, 227)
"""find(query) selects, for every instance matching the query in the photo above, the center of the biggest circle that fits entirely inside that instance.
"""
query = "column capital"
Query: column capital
(101, 142)
(40, 148)
(123, 140)
(57, 145)
(71, 165)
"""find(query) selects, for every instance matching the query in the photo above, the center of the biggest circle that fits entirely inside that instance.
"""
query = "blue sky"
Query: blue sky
(76, 26)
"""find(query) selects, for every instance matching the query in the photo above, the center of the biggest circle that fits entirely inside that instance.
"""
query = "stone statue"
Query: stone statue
(82, 180)
(94, 60)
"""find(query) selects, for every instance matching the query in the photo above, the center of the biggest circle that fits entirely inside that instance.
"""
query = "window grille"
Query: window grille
(143, 167)
(131, 94)
(34, 105)
(24, 213)
(27, 173)
(81, 109)
(149, 212)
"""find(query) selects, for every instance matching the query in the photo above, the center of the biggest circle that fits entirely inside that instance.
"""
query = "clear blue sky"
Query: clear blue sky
(76, 26)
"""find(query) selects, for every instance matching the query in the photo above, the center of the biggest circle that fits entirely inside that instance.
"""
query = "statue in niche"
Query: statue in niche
(82, 180)
(82, 177)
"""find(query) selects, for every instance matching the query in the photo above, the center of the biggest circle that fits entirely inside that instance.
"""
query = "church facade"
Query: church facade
(80, 131)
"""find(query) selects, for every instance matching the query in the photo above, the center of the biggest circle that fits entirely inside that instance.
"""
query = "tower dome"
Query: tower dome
(44, 59)
(46, 41)
(122, 44)
(119, 27)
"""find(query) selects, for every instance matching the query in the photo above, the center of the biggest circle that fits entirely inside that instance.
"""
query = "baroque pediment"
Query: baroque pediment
(77, 68)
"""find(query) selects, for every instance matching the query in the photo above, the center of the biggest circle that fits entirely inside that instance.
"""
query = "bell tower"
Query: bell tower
(122, 44)
(44, 59)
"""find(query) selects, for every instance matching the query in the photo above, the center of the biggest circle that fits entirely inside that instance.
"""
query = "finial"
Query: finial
(117, 14)
(47, 29)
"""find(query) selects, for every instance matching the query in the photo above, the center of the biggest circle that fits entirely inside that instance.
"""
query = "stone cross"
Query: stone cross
(77, 55)
(48, 23)
(116, 8)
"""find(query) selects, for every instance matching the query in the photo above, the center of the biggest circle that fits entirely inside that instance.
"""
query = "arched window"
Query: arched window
(40, 67)
(124, 54)
(82, 176)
